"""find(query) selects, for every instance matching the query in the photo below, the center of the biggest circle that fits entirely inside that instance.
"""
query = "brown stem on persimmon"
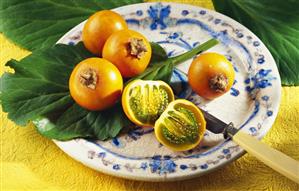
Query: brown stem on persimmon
(89, 78)
(218, 83)
(136, 47)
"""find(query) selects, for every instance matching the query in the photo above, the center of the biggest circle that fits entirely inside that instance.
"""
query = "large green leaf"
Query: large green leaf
(276, 23)
(39, 89)
(34, 24)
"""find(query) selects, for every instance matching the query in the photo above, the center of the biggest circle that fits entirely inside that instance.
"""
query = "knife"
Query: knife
(273, 158)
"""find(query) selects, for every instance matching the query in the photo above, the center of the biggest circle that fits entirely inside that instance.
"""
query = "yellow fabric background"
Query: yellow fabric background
(32, 162)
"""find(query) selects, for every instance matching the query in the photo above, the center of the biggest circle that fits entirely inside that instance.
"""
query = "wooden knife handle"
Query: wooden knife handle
(271, 157)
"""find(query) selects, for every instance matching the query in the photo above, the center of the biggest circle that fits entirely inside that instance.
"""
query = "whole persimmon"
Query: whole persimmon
(211, 75)
(129, 51)
(95, 84)
(99, 27)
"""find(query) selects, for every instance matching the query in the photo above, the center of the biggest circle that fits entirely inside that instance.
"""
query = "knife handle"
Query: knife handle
(271, 157)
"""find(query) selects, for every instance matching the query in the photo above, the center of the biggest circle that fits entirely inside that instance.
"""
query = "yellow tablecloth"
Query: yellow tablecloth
(30, 161)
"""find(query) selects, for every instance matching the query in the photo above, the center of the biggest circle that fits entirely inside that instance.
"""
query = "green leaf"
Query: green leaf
(276, 23)
(89, 124)
(164, 69)
(39, 90)
(158, 53)
(34, 24)
(164, 73)
(158, 71)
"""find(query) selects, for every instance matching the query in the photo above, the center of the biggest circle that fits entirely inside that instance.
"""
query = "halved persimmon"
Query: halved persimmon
(143, 101)
(181, 126)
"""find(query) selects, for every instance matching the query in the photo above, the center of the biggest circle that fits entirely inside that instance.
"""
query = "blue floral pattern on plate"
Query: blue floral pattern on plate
(255, 95)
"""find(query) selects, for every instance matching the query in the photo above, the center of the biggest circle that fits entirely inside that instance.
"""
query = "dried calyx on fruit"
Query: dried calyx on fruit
(218, 83)
(89, 78)
(95, 84)
(136, 47)
(129, 51)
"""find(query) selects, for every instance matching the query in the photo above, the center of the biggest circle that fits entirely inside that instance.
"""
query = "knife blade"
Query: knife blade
(217, 126)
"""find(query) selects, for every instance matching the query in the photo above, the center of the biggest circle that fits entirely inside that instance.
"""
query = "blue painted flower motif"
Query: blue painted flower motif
(225, 151)
(265, 98)
(204, 166)
(260, 61)
(143, 165)
(236, 69)
(139, 13)
(260, 80)
(253, 130)
(185, 12)
(158, 14)
(156, 164)
(229, 57)
(240, 35)
(202, 12)
(217, 21)
(183, 167)
(234, 92)
(174, 37)
(269, 113)
(256, 43)
(162, 165)
(102, 155)
(116, 142)
(169, 166)
(116, 167)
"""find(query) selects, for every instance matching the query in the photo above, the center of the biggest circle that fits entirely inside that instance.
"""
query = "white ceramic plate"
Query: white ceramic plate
(251, 104)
